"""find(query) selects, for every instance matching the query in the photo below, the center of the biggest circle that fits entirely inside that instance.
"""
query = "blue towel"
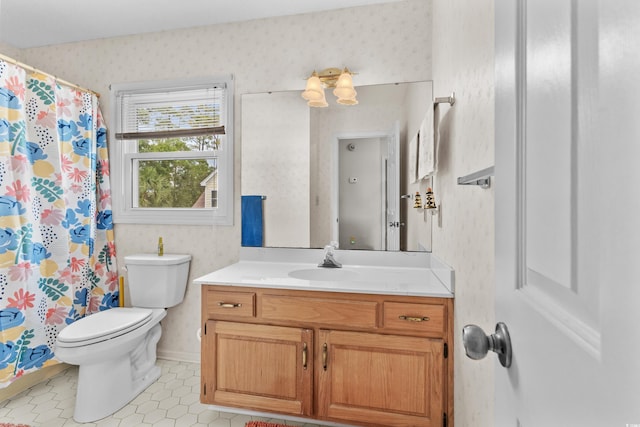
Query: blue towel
(252, 220)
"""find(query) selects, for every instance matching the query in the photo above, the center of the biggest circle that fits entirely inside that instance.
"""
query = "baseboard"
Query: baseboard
(179, 356)
(27, 381)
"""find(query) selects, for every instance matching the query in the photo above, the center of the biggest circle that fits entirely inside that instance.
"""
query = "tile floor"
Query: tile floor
(173, 401)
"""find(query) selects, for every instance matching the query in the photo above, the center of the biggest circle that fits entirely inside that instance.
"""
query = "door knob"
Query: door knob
(477, 344)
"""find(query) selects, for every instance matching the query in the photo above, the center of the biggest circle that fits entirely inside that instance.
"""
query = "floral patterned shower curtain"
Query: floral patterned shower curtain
(57, 253)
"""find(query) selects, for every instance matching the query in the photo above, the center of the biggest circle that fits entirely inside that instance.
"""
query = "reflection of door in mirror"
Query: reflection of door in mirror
(361, 198)
(366, 201)
(288, 155)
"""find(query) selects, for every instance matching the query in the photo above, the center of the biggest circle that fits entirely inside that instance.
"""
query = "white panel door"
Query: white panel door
(568, 211)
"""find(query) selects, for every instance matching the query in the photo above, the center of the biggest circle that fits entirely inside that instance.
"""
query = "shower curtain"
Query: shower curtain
(57, 253)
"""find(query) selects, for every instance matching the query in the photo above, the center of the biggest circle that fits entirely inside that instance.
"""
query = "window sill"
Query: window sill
(172, 217)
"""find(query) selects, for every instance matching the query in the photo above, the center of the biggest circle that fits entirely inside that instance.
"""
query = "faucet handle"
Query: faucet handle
(329, 260)
(332, 246)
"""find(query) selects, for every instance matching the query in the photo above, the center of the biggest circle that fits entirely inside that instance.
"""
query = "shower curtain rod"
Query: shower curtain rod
(58, 80)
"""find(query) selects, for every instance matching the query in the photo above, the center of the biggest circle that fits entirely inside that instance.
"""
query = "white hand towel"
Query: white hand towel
(426, 147)
(413, 159)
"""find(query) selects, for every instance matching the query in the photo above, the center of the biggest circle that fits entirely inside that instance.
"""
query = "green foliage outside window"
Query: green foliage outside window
(174, 183)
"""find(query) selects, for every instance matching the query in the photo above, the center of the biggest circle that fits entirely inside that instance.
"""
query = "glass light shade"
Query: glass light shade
(344, 92)
(322, 102)
(313, 90)
(344, 86)
(348, 101)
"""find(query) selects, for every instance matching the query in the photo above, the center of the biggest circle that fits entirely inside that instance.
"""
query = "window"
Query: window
(173, 152)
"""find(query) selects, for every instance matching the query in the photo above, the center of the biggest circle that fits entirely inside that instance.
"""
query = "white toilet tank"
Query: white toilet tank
(157, 281)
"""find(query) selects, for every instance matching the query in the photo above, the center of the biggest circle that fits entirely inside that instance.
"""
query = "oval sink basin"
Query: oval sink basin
(324, 274)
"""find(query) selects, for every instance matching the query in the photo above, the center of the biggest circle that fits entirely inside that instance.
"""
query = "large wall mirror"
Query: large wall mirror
(339, 173)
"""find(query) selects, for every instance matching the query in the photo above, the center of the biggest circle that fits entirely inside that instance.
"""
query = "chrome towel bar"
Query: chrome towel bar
(481, 178)
(451, 99)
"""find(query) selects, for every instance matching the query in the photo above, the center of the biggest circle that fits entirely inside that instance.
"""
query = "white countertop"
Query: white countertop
(410, 280)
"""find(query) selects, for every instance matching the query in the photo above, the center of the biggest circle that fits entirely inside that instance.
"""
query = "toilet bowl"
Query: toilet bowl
(115, 349)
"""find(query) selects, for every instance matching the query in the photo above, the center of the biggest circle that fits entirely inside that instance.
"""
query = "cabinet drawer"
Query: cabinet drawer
(237, 304)
(427, 318)
(325, 311)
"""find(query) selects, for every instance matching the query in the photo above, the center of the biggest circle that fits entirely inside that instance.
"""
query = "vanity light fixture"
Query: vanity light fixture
(340, 80)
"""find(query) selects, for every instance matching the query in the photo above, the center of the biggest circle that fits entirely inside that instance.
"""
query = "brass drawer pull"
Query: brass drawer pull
(414, 318)
(324, 356)
(229, 304)
(304, 355)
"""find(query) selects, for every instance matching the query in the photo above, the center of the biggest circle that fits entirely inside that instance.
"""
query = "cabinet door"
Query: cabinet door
(382, 380)
(257, 367)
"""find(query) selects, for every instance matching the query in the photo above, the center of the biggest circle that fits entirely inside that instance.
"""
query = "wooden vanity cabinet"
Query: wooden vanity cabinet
(361, 359)
(261, 367)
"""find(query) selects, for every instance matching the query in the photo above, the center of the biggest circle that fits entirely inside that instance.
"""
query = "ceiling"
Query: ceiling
(33, 23)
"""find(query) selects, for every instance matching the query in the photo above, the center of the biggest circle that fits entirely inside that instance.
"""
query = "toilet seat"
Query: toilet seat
(103, 326)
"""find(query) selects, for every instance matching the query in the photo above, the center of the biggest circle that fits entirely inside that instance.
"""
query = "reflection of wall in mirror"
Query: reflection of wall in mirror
(416, 235)
(279, 171)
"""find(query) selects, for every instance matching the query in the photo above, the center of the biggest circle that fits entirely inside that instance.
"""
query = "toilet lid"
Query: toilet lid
(104, 324)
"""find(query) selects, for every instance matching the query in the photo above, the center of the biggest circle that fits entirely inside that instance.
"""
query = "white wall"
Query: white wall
(463, 61)
(382, 43)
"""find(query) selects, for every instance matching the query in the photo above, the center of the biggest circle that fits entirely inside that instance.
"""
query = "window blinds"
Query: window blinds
(170, 114)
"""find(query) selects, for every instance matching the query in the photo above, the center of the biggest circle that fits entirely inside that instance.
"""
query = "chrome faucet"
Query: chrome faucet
(329, 258)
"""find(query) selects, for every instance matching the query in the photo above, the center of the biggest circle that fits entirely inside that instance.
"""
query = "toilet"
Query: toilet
(115, 349)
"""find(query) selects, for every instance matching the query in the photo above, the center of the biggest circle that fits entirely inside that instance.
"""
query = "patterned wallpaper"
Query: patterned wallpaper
(463, 61)
(382, 43)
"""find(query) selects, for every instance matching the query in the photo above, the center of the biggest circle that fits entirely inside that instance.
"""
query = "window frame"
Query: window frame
(123, 154)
